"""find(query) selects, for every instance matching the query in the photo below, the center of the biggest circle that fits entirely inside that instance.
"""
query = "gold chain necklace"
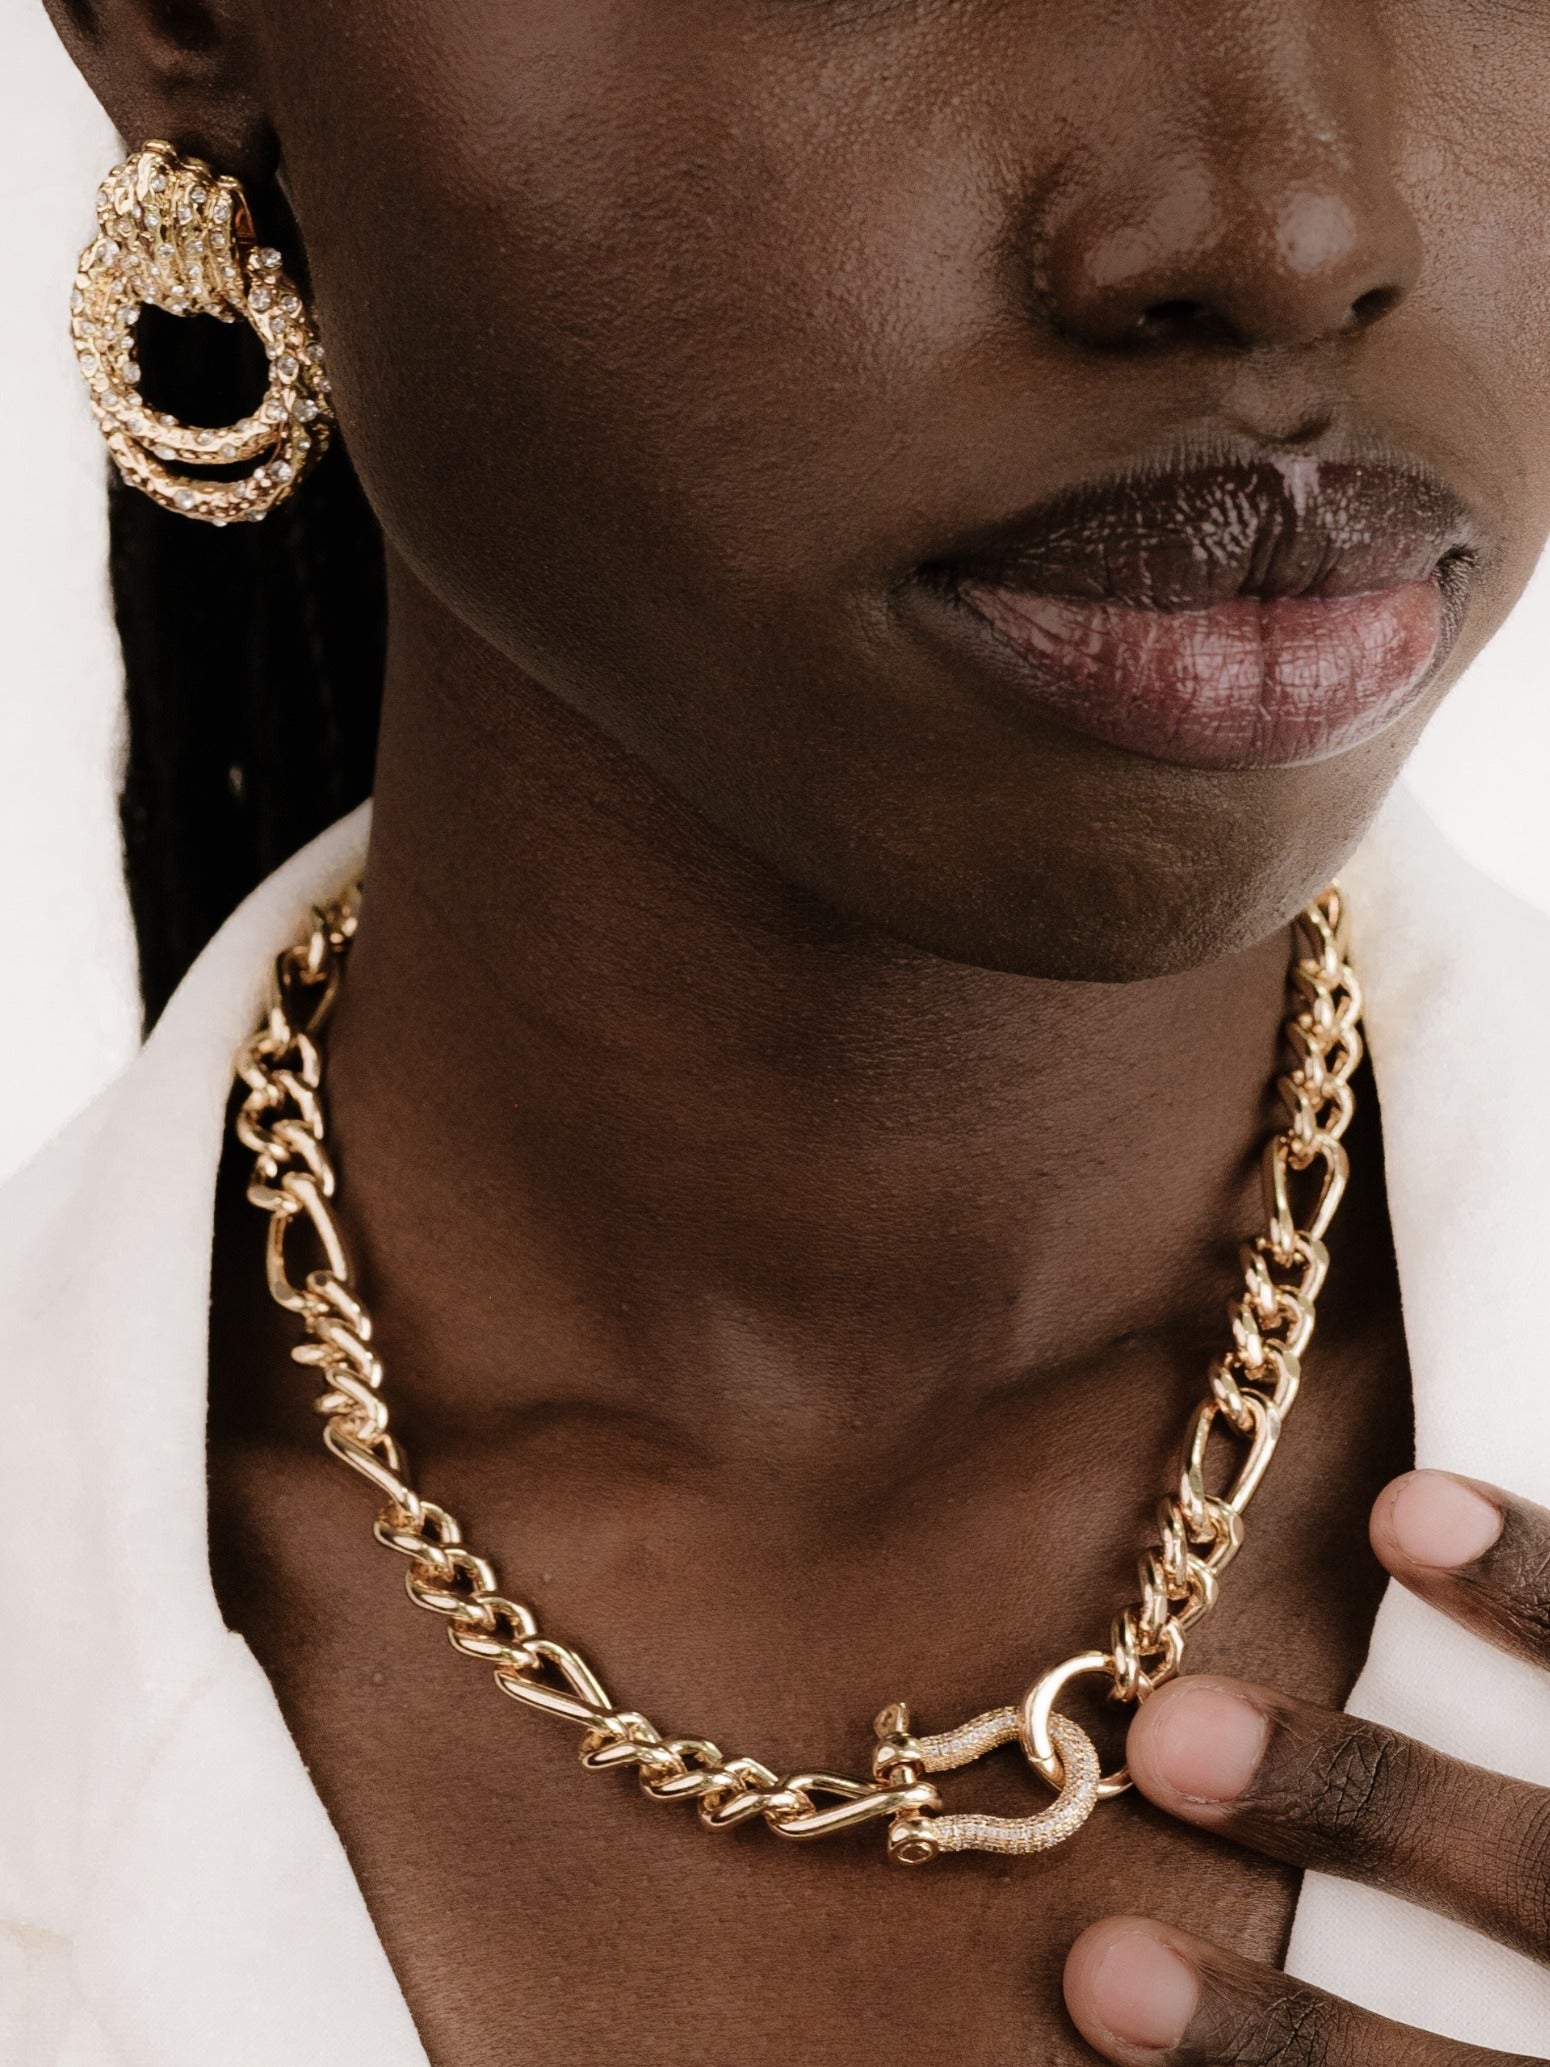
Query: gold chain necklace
(1251, 1389)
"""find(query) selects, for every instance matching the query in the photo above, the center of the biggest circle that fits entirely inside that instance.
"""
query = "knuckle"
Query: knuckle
(1349, 1788)
(1523, 1577)
(1525, 1893)
(1357, 1780)
(1509, 1590)
(1290, 2029)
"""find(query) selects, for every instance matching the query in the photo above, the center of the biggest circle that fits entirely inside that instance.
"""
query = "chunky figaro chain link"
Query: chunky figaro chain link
(280, 1121)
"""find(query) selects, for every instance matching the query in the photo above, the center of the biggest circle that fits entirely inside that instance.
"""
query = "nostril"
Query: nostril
(1372, 307)
(1178, 318)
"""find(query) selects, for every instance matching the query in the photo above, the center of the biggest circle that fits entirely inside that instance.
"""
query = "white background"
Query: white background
(67, 1009)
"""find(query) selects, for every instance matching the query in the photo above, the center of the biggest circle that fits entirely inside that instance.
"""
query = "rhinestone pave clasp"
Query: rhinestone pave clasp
(918, 1836)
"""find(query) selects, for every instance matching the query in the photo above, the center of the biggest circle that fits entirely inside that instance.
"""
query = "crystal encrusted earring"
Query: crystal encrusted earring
(170, 232)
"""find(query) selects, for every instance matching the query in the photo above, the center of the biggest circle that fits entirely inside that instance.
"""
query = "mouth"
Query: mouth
(1247, 615)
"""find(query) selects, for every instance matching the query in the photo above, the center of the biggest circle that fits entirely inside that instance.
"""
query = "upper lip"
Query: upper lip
(1187, 537)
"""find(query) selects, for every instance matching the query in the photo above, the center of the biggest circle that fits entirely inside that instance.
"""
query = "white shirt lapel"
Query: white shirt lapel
(1457, 975)
(176, 1893)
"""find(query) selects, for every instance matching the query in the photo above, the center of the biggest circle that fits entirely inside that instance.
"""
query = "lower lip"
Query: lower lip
(1243, 684)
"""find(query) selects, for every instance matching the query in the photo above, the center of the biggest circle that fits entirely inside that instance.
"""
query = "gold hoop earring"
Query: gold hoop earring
(170, 233)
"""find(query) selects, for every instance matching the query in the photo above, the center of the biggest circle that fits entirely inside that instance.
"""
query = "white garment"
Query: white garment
(172, 1893)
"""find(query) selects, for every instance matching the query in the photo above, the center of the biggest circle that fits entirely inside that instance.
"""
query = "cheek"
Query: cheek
(1474, 163)
(614, 296)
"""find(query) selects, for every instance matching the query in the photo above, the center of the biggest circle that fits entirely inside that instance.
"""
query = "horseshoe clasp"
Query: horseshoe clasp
(903, 1760)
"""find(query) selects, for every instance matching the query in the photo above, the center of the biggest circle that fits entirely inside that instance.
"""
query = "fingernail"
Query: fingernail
(1438, 1521)
(1208, 1744)
(1144, 1994)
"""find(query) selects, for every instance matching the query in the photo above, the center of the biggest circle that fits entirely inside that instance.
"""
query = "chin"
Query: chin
(1079, 864)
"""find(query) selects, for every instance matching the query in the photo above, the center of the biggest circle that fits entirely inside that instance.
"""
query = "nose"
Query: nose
(1269, 217)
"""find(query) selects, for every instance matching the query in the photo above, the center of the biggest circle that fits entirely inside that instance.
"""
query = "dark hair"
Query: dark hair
(253, 662)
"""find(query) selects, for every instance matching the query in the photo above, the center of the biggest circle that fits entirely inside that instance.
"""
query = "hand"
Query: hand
(1329, 1791)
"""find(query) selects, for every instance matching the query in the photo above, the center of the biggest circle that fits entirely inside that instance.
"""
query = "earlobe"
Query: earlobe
(179, 69)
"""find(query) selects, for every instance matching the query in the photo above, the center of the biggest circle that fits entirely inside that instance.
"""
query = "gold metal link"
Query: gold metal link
(1250, 1390)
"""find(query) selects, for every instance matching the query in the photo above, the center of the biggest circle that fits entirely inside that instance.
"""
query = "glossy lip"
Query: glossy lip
(1256, 613)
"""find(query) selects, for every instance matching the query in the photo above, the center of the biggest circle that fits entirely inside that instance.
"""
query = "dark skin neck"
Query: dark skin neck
(718, 1155)
(802, 1322)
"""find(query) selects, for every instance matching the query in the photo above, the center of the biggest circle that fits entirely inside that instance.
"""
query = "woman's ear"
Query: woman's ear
(183, 70)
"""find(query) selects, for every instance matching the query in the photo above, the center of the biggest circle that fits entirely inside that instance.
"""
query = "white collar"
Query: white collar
(167, 1838)
(166, 1866)
(1457, 975)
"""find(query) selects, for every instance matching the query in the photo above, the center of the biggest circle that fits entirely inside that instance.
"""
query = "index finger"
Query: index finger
(1476, 1553)
(1319, 1789)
